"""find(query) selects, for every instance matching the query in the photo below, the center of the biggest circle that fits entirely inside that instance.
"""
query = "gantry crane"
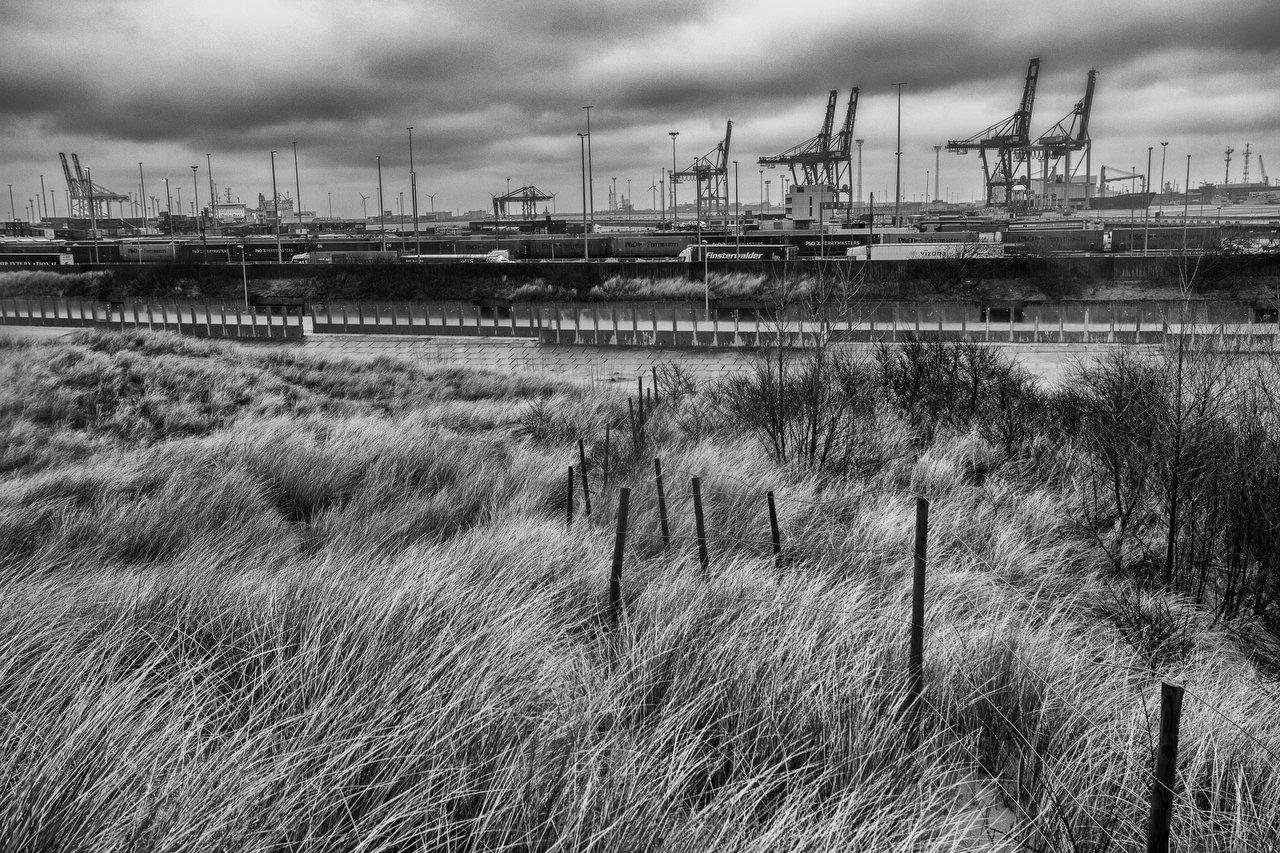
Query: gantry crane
(1069, 134)
(1010, 141)
(527, 196)
(822, 159)
(87, 198)
(711, 173)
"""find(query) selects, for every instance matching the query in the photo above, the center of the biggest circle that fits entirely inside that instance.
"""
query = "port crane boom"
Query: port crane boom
(87, 198)
(1069, 134)
(823, 159)
(711, 173)
(1009, 140)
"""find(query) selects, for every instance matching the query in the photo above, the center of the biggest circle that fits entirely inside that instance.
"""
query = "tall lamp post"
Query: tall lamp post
(1186, 202)
(382, 210)
(143, 183)
(897, 184)
(244, 276)
(737, 213)
(275, 209)
(1164, 149)
(937, 170)
(1146, 202)
(591, 181)
(213, 193)
(413, 192)
(297, 183)
(675, 213)
(168, 209)
(582, 149)
(195, 188)
(93, 212)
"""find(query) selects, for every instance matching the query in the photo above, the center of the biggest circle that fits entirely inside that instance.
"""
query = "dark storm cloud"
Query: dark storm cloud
(496, 88)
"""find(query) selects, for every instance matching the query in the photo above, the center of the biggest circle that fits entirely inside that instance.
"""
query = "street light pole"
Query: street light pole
(168, 208)
(275, 209)
(937, 169)
(897, 185)
(195, 187)
(142, 183)
(297, 182)
(1186, 201)
(1146, 206)
(44, 205)
(382, 210)
(737, 213)
(675, 213)
(244, 277)
(582, 150)
(413, 191)
(1164, 149)
(591, 181)
(93, 213)
(213, 193)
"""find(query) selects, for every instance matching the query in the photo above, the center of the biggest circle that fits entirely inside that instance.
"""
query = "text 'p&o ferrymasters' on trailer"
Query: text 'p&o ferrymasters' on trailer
(732, 252)
(925, 251)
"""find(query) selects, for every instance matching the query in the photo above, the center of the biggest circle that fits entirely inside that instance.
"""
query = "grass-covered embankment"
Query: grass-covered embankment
(255, 601)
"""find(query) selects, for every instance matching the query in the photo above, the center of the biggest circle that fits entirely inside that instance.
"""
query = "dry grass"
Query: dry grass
(334, 618)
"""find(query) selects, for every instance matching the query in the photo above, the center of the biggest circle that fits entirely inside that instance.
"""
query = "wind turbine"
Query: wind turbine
(432, 196)
(364, 204)
(654, 188)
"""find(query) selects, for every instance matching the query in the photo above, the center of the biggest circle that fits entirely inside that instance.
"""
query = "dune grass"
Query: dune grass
(345, 612)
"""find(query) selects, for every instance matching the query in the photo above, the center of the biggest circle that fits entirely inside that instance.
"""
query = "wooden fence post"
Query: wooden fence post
(568, 496)
(774, 532)
(915, 658)
(640, 399)
(1166, 764)
(662, 505)
(586, 490)
(619, 544)
(631, 417)
(700, 523)
(655, 384)
(604, 473)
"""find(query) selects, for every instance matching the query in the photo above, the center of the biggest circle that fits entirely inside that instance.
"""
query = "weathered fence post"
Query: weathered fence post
(604, 473)
(774, 532)
(568, 497)
(662, 505)
(915, 657)
(700, 523)
(655, 384)
(619, 544)
(1166, 764)
(631, 418)
(586, 489)
(640, 397)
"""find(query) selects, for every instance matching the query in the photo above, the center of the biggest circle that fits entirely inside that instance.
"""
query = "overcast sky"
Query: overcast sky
(494, 90)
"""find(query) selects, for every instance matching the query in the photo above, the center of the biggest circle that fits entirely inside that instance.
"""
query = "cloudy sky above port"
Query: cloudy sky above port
(494, 90)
